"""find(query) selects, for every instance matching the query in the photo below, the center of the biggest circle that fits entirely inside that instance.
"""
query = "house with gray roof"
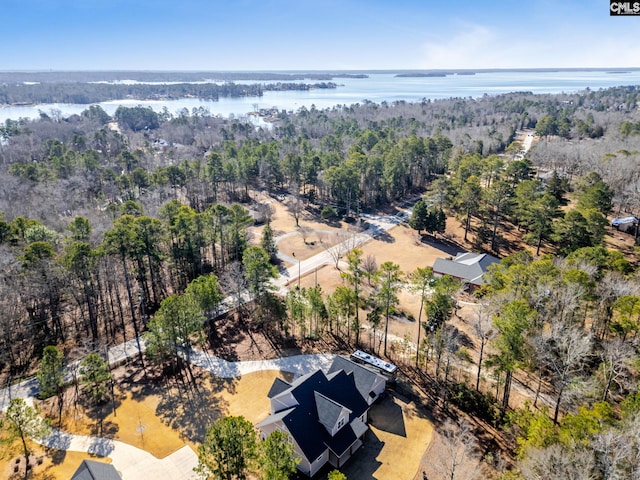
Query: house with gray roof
(369, 386)
(324, 414)
(467, 267)
(92, 470)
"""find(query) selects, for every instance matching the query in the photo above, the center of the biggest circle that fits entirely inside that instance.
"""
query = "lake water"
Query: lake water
(378, 87)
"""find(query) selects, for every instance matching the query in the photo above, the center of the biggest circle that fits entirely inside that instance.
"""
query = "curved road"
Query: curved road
(134, 463)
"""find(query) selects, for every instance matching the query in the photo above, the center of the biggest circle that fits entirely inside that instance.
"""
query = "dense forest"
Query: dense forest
(166, 77)
(105, 218)
(87, 93)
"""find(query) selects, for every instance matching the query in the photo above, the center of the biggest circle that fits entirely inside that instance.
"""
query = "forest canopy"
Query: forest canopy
(117, 226)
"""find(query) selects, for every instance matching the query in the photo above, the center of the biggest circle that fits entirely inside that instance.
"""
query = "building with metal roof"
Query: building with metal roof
(467, 267)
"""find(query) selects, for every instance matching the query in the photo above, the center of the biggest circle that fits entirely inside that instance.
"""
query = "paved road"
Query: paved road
(296, 364)
(528, 141)
(118, 354)
(134, 463)
(377, 224)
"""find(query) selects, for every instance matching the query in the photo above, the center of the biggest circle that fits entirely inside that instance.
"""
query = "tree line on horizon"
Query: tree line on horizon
(107, 232)
(81, 93)
(349, 159)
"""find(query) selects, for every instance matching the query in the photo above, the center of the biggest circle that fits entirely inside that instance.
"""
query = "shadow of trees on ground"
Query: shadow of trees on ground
(102, 447)
(224, 335)
(98, 412)
(384, 236)
(190, 409)
(448, 246)
(190, 399)
(62, 443)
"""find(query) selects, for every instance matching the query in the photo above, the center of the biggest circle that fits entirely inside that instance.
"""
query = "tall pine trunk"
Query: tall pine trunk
(127, 282)
(507, 390)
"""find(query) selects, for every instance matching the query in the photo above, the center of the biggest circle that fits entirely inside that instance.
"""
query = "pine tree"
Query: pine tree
(51, 373)
(95, 377)
(419, 216)
(277, 458)
(228, 450)
(23, 421)
(268, 243)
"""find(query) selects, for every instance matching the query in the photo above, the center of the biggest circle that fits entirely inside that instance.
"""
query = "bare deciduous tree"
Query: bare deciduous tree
(566, 355)
(558, 461)
(483, 328)
(264, 212)
(235, 282)
(337, 251)
(610, 287)
(632, 435)
(304, 232)
(295, 205)
(369, 265)
(457, 458)
(616, 357)
(611, 451)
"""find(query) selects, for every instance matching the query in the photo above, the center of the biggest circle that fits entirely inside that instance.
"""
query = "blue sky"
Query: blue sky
(303, 35)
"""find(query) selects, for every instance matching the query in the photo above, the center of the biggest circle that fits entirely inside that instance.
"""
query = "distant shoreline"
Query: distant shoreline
(243, 97)
(423, 74)
(90, 92)
(86, 76)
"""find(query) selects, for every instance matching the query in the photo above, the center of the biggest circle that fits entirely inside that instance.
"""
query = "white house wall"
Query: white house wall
(304, 465)
(344, 416)
(268, 429)
(319, 463)
(378, 388)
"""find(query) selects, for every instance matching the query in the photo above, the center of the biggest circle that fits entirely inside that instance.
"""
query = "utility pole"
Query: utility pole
(294, 254)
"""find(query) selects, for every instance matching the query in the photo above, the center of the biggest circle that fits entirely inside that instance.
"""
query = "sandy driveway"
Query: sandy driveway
(396, 425)
(134, 463)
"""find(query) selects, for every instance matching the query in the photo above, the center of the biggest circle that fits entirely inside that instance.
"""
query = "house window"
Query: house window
(340, 423)
(319, 458)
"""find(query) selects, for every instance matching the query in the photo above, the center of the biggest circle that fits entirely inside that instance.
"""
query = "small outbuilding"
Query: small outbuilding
(467, 267)
(625, 224)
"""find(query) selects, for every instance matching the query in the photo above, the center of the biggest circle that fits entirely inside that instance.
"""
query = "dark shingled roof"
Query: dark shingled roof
(363, 377)
(303, 421)
(278, 387)
(342, 441)
(92, 470)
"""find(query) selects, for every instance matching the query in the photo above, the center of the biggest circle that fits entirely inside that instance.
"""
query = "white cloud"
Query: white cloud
(622, 51)
(478, 46)
(474, 46)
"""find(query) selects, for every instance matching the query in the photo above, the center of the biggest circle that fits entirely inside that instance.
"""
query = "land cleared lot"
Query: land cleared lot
(161, 420)
(156, 416)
